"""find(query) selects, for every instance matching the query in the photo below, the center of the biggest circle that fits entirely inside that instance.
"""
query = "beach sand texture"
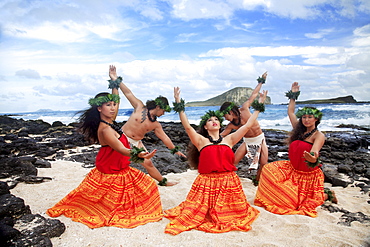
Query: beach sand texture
(267, 231)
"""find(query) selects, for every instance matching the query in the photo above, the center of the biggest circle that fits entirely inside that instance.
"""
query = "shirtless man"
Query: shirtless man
(255, 148)
(143, 120)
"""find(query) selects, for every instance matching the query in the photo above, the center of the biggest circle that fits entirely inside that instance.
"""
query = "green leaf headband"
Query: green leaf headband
(161, 105)
(103, 99)
(228, 109)
(309, 111)
(210, 114)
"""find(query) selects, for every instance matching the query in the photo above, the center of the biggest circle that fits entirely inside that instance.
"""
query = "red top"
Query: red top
(216, 158)
(110, 161)
(296, 149)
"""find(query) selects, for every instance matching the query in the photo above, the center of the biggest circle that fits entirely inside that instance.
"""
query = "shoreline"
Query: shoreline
(268, 229)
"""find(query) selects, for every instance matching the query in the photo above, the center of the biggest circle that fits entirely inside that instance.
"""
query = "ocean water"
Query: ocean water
(275, 116)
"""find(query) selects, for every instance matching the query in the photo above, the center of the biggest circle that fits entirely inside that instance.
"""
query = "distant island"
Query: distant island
(339, 100)
(237, 95)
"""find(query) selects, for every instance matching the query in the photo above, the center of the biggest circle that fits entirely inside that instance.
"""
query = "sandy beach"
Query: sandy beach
(268, 230)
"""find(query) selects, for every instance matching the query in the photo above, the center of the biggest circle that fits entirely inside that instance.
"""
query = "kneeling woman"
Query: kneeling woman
(113, 193)
(296, 186)
(216, 202)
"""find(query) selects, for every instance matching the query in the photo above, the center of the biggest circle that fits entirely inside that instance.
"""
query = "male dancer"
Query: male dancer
(255, 148)
(143, 120)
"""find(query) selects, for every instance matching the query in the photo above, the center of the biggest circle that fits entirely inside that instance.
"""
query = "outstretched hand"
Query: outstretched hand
(147, 155)
(263, 96)
(176, 94)
(171, 183)
(310, 158)
(295, 87)
(180, 154)
(112, 72)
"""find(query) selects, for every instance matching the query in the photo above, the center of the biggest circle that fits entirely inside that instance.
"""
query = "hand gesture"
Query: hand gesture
(147, 155)
(171, 183)
(112, 72)
(310, 158)
(180, 154)
(295, 87)
(263, 96)
(176, 94)
(264, 75)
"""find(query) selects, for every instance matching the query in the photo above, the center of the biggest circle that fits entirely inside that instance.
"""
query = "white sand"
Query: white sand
(268, 229)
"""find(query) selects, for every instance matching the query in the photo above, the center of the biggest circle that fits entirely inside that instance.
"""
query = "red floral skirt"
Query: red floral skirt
(126, 199)
(216, 203)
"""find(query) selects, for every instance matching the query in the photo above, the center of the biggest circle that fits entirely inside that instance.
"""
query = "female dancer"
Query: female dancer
(113, 193)
(296, 186)
(216, 202)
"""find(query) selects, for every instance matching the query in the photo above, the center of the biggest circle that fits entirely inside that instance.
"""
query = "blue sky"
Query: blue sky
(56, 54)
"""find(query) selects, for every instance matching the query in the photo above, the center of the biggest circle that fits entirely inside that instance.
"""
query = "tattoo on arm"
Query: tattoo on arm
(143, 114)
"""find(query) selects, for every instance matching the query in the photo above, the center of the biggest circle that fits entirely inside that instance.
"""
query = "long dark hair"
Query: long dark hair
(298, 131)
(89, 122)
(192, 152)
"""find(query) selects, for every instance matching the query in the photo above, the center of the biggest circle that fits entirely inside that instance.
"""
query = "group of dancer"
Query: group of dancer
(116, 194)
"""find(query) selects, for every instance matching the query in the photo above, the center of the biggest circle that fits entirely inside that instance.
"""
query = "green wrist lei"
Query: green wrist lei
(161, 105)
(175, 149)
(258, 106)
(115, 84)
(103, 99)
(134, 154)
(179, 107)
(261, 80)
(292, 95)
(163, 182)
(318, 161)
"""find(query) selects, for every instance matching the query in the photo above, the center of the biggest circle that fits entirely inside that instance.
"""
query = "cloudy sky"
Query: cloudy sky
(56, 54)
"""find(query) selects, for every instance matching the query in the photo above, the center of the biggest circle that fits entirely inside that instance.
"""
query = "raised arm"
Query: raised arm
(135, 102)
(195, 138)
(254, 94)
(237, 135)
(291, 107)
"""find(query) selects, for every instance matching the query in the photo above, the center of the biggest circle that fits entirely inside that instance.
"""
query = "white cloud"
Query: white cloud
(28, 73)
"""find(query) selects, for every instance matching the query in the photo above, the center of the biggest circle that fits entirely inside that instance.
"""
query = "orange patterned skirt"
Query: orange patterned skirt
(285, 190)
(126, 199)
(216, 203)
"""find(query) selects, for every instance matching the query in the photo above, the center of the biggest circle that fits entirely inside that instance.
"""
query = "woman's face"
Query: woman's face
(309, 120)
(108, 109)
(212, 123)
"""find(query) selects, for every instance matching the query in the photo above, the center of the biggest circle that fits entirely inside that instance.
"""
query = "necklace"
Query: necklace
(305, 136)
(150, 117)
(213, 141)
(114, 126)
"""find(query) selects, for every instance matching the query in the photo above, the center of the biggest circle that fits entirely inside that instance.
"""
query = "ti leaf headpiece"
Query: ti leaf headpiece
(210, 114)
(103, 99)
(309, 111)
(228, 109)
(162, 105)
